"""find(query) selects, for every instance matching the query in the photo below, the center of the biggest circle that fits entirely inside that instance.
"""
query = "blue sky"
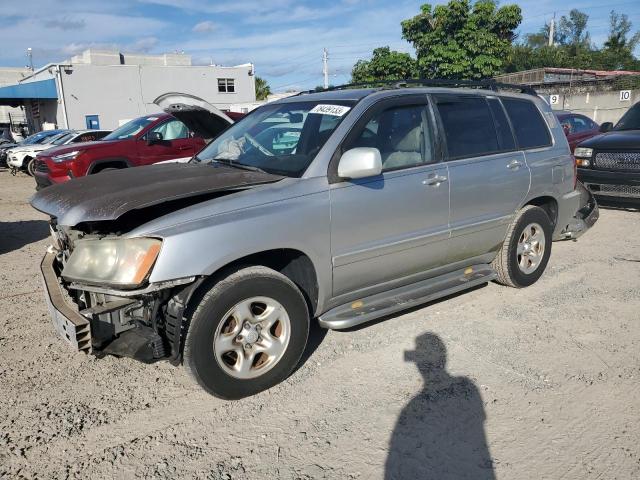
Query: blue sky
(283, 38)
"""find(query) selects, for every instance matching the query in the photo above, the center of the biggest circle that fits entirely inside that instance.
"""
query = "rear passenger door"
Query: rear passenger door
(488, 176)
(390, 229)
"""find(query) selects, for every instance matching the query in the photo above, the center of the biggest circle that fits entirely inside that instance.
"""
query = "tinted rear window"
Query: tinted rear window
(468, 126)
(529, 126)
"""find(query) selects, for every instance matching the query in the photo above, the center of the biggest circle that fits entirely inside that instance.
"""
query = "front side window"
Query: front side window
(529, 126)
(130, 129)
(579, 124)
(278, 138)
(226, 85)
(172, 130)
(399, 134)
(468, 126)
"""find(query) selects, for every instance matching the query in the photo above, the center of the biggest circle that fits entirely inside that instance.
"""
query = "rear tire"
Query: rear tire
(525, 252)
(246, 333)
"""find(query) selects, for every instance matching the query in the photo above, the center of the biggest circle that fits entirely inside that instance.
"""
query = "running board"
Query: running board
(401, 298)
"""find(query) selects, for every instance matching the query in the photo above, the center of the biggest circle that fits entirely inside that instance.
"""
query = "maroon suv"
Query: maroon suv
(179, 133)
(577, 127)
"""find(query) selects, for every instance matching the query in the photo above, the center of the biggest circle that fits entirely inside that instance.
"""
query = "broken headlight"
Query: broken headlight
(124, 262)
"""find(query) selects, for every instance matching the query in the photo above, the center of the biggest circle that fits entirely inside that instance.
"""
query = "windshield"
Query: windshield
(630, 120)
(280, 138)
(39, 137)
(130, 129)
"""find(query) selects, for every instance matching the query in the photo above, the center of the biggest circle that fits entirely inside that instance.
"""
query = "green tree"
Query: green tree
(617, 52)
(573, 48)
(385, 64)
(461, 40)
(572, 30)
(263, 90)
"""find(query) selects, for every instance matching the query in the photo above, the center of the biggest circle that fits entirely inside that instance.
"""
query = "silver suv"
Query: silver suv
(338, 207)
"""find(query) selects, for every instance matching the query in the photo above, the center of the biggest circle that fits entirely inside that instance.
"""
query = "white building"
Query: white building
(100, 88)
(9, 76)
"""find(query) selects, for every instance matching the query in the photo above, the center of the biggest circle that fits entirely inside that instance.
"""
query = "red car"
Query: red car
(177, 134)
(577, 127)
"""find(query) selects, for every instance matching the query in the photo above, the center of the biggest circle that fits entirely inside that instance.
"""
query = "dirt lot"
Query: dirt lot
(538, 383)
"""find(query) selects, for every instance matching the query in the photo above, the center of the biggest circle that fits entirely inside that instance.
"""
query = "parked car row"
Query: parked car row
(177, 134)
(23, 157)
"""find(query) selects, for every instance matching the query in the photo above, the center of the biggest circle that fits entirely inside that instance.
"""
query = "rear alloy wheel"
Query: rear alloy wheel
(246, 333)
(31, 166)
(525, 252)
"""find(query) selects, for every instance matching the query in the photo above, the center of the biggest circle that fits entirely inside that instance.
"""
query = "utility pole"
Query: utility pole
(325, 67)
(552, 29)
(30, 57)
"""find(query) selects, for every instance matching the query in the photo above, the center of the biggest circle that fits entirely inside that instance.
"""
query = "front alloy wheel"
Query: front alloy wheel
(246, 332)
(252, 337)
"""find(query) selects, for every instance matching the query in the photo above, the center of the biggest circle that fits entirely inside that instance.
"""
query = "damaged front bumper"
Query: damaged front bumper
(584, 204)
(145, 324)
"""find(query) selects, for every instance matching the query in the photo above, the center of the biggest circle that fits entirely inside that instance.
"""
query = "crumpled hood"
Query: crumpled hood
(109, 195)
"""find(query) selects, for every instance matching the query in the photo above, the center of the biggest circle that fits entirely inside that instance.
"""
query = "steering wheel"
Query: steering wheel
(257, 144)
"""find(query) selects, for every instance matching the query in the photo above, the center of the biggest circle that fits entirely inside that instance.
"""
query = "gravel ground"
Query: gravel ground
(538, 383)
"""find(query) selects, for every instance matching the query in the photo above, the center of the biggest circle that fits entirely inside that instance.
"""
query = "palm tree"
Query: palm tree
(263, 90)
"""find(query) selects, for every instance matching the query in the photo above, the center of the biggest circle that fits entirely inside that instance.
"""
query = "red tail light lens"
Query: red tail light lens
(575, 172)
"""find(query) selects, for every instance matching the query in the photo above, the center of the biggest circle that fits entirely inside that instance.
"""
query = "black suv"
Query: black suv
(609, 164)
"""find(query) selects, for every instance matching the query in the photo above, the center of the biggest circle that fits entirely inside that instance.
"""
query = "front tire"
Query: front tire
(525, 252)
(31, 166)
(246, 333)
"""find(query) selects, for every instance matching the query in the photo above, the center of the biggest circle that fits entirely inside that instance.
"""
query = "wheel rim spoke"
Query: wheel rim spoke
(253, 337)
(530, 248)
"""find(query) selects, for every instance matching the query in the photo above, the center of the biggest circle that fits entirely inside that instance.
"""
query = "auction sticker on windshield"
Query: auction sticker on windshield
(335, 110)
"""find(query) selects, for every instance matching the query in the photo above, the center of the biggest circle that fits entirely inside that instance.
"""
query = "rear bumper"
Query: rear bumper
(577, 212)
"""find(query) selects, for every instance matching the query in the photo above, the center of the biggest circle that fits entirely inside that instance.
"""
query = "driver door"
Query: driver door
(391, 229)
(176, 143)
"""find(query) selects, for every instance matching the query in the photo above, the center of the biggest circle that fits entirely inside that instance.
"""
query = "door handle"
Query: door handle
(514, 164)
(184, 148)
(434, 180)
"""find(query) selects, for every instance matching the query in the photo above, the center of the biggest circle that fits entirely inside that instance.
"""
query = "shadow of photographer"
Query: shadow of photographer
(440, 433)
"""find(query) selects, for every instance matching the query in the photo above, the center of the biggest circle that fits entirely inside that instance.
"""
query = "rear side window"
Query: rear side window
(528, 124)
(468, 126)
(505, 137)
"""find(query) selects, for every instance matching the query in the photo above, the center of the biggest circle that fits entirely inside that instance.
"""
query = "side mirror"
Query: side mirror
(360, 162)
(605, 127)
(154, 137)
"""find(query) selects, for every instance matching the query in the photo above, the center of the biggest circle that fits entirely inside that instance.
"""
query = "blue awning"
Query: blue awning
(41, 90)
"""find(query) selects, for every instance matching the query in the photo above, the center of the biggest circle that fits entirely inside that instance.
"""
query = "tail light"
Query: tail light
(575, 172)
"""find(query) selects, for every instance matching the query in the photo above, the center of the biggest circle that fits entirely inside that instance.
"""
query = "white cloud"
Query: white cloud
(206, 26)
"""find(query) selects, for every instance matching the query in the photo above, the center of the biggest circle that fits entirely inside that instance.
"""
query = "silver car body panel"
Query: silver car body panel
(369, 235)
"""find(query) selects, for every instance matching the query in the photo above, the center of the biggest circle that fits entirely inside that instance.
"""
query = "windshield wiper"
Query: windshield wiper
(241, 166)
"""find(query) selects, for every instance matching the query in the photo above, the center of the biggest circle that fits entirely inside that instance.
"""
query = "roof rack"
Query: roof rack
(488, 84)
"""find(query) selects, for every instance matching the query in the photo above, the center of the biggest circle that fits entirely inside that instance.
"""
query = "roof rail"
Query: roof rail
(488, 84)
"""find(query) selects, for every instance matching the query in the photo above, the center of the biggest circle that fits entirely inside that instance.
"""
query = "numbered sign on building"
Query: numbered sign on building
(625, 95)
(554, 99)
